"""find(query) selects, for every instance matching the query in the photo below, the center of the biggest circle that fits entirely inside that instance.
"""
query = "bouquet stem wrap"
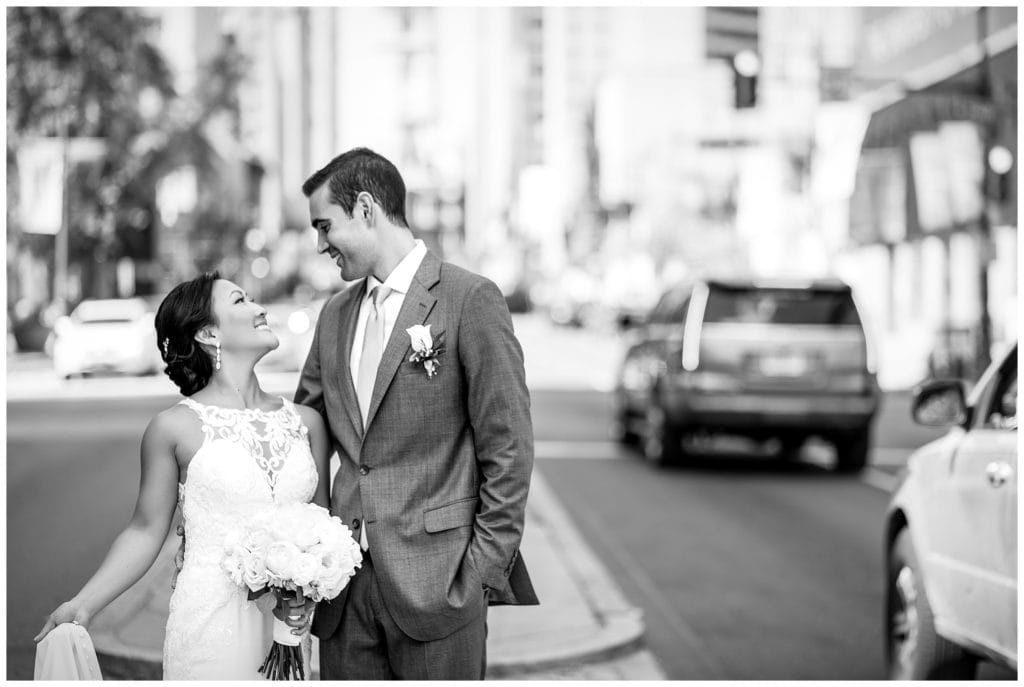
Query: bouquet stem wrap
(284, 662)
(283, 634)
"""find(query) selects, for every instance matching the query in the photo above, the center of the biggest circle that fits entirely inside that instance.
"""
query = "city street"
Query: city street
(745, 569)
(698, 217)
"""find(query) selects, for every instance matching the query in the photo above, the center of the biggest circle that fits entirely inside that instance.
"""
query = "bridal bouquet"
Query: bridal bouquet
(293, 550)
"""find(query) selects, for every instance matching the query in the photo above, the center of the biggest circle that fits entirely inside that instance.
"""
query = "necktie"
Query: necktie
(373, 348)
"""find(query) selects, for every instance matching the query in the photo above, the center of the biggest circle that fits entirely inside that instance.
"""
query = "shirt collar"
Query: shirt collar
(401, 277)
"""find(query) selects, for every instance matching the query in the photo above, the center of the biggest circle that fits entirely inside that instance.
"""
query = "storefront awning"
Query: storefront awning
(892, 126)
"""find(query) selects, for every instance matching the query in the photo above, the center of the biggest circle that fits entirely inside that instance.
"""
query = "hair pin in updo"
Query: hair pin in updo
(167, 345)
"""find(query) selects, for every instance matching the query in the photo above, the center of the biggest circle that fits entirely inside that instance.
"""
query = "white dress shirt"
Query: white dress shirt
(399, 282)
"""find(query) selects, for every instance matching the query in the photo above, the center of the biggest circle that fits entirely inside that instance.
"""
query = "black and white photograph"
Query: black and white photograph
(525, 343)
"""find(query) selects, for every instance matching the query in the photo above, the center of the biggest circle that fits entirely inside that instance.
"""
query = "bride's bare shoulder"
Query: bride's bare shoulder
(172, 424)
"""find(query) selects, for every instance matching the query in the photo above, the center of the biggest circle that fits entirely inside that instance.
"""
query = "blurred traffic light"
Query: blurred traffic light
(731, 34)
(745, 68)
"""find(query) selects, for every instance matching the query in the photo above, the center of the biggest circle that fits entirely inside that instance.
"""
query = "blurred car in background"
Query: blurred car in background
(951, 534)
(760, 359)
(105, 335)
(294, 324)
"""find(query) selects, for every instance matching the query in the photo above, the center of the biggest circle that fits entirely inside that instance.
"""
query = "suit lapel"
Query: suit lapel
(415, 310)
(349, 317)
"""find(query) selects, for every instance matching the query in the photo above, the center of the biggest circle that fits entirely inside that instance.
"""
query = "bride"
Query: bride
(226, 451)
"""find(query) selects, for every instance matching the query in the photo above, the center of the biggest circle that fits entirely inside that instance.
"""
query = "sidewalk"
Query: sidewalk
(583, 629)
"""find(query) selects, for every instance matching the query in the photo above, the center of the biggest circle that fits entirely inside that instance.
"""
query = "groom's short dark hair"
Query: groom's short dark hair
(357, 170)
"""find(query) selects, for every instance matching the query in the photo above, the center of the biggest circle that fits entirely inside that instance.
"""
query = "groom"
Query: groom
(436, 450)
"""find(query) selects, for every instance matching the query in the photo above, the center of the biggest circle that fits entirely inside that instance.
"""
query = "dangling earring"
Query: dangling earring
(216, 362)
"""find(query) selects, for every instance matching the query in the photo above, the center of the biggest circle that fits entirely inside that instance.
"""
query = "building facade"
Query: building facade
(933, 209)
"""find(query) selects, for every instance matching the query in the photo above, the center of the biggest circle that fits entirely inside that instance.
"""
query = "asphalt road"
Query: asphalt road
(744, 569)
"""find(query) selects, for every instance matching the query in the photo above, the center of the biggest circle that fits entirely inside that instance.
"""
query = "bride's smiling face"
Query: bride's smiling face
(241, 322)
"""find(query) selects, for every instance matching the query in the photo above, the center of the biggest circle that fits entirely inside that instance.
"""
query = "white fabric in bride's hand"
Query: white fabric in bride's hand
(67, 653)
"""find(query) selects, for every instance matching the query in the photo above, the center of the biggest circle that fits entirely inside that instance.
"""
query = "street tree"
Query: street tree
(97, 72)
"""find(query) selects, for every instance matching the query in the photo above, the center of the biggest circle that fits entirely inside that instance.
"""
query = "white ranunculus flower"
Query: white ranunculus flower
(420, 337)
(304, 569)
(281, 557)
(305, 537)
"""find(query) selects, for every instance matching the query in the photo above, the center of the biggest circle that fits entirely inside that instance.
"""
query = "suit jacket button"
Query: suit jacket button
(355, 523)
(363, 470)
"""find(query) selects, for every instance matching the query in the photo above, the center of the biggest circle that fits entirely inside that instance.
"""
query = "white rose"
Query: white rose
(332, 581)
(254, 572)
(420, 337)
(280, 559)
(304, 569)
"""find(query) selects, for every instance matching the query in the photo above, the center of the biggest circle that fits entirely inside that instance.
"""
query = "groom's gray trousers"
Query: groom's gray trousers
(369, 645)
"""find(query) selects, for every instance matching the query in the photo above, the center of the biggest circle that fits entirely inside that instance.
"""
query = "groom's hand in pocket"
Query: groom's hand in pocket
(179, 557)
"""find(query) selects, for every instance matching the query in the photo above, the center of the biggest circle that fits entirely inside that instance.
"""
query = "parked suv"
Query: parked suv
(951, 533)
(763, 359)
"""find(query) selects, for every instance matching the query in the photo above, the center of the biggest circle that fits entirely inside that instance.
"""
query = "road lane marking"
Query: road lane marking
(890, 457)
(584, 449)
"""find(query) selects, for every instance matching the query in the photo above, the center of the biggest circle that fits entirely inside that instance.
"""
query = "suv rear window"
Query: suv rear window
(780, 306)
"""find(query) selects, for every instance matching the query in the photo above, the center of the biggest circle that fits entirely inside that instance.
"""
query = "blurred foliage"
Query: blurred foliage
(80, 71)
(97, 72)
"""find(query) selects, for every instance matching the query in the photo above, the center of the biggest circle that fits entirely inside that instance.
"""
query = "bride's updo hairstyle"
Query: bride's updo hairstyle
(183, 312)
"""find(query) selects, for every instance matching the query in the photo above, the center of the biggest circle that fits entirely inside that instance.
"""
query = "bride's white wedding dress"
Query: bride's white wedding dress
(249, 460)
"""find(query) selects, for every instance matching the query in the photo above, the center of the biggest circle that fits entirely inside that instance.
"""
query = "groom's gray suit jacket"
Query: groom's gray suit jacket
(439, 478)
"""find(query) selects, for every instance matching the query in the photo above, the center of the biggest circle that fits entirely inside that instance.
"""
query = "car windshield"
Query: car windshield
(780, 306)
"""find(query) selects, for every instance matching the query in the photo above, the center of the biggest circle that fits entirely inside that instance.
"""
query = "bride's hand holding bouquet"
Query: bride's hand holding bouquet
(303, 555)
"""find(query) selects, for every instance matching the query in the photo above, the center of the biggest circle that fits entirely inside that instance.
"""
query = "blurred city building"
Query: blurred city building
(932, 213)
(587, 157)
(451, 95)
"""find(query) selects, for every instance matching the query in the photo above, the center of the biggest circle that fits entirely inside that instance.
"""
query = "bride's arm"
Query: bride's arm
(135, 549)
(320, 446)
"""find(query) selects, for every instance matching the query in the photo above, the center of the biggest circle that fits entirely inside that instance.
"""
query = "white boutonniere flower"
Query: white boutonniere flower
(424, 349)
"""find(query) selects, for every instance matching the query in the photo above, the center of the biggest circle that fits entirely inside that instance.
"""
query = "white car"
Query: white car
(106, 335)
(951, 535)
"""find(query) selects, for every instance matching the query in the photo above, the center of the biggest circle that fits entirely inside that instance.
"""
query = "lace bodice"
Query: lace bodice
(249, 460)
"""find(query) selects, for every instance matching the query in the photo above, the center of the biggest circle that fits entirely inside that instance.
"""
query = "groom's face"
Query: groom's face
(350, 241)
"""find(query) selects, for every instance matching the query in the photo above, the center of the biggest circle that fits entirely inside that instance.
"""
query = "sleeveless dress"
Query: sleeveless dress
(249, 460)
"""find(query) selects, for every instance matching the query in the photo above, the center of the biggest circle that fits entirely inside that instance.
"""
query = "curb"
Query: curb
(621, 624)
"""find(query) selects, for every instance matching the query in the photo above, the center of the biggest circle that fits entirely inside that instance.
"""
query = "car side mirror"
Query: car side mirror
(941, 403)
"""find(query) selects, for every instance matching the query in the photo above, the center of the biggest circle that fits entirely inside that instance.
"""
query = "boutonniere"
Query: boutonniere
(424, 349)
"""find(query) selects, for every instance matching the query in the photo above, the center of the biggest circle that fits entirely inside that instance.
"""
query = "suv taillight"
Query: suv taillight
(692, 327)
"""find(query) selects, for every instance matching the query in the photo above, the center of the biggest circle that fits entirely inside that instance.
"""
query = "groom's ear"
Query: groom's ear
(363, 208)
